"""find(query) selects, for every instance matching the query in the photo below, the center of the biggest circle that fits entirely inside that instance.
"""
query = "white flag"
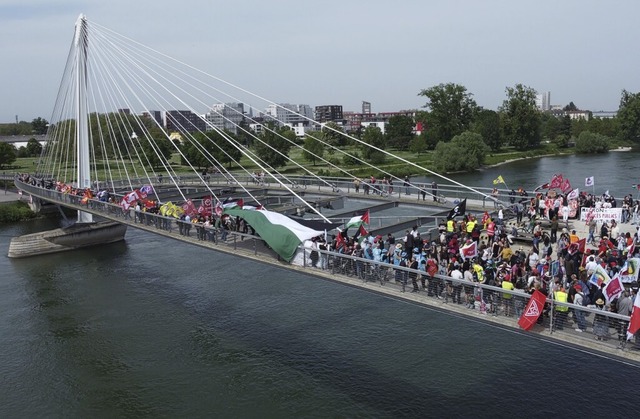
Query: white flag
(573, 194)
(589, 181)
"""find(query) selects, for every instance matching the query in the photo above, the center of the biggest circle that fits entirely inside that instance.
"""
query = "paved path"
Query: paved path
(9, 196)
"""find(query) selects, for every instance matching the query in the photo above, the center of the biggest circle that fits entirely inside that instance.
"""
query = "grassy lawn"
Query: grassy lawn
(337, 159)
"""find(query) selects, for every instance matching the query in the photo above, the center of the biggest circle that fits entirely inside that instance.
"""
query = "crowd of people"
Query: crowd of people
(553, 263)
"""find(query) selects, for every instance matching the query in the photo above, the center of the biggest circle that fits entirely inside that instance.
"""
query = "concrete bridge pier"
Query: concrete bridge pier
(35, 204)
(62, 239)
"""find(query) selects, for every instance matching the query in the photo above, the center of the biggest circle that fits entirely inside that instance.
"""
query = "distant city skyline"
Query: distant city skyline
(344, 53)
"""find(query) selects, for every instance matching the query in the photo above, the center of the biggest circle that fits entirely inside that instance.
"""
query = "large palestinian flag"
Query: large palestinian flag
(281, 233)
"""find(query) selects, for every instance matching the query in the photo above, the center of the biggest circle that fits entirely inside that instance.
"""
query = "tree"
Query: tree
(578, 126)
(373, 136)
(487, 124)
(156, 150)
(570, 107)
(334, 135)
(399, 131)
(211, 148)
(605, 126)
(34, 148)
(520, 117)
(224, 146)
(549, 126)
(565, 126)
(589, 142)
(274, 145)
(8, 154)
(466, 151)
(451, 110)
(39, 126)
(192, 151)
(629, 117)
(418, 144)
(562, 141)
(313, 148)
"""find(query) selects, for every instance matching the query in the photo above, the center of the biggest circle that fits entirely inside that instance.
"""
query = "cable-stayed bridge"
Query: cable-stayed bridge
(115, 129)
(128, 120)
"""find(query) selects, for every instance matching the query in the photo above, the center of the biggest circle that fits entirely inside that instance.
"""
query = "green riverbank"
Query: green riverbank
(11, 212)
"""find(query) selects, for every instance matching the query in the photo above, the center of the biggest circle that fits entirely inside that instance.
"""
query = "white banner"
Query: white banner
(601, 214)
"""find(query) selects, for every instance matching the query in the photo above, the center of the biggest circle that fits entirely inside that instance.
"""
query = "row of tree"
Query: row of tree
(461, 133)
(454, 127)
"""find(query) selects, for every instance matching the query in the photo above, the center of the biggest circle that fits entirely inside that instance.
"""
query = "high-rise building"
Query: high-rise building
(543, 101)
(288, 114)
(366, 107)
(225, 116)
(184, 121)
(155, 115)
(329, 113)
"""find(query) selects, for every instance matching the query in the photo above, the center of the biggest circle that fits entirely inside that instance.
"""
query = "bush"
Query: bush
(15, 211)
(590, 143)
(351, 160)
(466, 151)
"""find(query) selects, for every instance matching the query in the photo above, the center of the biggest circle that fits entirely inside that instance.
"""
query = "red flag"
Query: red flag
(469, 251)
(219, 209)
(206, 201)
(543, 186)
(339, 240)
(634, 323)
(566, 186)
(365, 217)
(556, 181)
(613, 289)
(189, 208)
(631, 249)
(129, 199)
(533, 310)
(582, 245)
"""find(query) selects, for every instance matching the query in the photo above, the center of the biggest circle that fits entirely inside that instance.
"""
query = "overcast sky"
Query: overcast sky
(343, 52)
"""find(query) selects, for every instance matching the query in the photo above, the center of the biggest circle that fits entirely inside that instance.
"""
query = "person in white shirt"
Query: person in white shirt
(533, 259)
(591, 265)
(565, 214)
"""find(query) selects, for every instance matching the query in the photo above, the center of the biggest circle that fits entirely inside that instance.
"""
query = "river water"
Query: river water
(615, 172)
(155, 328)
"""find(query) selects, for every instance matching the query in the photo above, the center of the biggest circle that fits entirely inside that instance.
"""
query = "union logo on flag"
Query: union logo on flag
(589, 181)
(532, 311)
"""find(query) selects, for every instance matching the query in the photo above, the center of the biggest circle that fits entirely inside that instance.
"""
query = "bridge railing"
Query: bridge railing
(563, 320)
(445, 193)
(197, 233)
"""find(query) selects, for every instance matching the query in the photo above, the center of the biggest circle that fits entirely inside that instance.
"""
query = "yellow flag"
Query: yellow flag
(498, 180)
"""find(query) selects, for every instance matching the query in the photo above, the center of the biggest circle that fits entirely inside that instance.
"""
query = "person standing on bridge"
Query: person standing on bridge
(494, 197)
(406, 185)
(434, 191)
